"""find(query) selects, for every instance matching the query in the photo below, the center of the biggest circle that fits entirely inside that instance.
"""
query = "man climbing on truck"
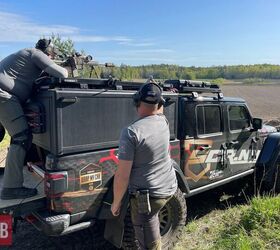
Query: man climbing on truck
(18, 72)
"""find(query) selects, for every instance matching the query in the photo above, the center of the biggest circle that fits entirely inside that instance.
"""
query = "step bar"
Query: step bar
(219, 183)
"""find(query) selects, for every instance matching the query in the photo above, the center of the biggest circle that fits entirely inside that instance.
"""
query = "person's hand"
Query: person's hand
(115, 209)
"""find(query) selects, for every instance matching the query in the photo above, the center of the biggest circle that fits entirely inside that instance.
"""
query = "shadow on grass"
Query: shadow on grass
(230, 195)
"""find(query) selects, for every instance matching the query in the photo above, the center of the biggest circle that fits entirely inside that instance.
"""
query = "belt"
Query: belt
(133, 195)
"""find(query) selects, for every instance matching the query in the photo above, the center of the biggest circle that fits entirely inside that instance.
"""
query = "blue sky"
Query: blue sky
(182, 32)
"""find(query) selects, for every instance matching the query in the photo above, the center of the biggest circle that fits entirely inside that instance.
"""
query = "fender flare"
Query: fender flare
(266, 164)
(114, 226)
(182, 183)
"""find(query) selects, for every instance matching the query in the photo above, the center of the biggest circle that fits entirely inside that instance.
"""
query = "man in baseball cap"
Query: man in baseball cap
(46, 46)
(145, 167)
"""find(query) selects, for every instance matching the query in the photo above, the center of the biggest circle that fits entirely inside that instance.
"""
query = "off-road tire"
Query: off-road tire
(272, 187)
(172, 221)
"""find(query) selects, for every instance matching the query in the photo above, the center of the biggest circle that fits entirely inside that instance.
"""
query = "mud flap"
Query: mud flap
(182, 183)
(114, 227)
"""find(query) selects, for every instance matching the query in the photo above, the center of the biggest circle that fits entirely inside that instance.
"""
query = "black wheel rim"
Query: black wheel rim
(165, 220)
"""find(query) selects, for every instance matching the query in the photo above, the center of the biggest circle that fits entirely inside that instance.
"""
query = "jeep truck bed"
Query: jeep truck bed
(20, 207)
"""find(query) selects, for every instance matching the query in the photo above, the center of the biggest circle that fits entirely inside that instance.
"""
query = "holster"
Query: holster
(143, 201)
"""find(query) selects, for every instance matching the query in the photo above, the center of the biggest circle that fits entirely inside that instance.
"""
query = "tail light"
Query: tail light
(56, 183)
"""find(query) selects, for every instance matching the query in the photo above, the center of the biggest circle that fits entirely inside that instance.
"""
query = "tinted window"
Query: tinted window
(239, 117)
(208, 119)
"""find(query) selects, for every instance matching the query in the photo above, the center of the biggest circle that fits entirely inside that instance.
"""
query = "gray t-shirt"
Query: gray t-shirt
(146, 143)
(18, 71)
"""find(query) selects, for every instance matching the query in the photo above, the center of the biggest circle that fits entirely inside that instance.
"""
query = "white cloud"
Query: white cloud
(81, 38)
(150, 51)
(16, 28)
(143, 56)
(143, 44)
(143, 53)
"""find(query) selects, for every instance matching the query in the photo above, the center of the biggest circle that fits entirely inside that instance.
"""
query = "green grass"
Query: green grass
(246, 227)
(6, 141)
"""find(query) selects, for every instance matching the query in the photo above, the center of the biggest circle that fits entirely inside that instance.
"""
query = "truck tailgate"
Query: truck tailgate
(19, 207)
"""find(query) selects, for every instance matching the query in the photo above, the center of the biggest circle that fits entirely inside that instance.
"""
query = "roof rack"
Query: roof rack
(86, 83)
(181, 86)
(190, 86)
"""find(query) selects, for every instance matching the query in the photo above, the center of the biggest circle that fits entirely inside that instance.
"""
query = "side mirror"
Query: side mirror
(257, 124)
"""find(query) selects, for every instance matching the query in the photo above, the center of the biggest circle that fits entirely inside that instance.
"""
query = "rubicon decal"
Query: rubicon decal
(233, 156)
(201, 159)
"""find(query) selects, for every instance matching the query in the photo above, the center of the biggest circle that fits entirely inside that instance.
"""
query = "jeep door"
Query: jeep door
(204, 138)
(241, 149)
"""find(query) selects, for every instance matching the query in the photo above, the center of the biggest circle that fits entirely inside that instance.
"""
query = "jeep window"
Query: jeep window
(208, 118)
(239, 117)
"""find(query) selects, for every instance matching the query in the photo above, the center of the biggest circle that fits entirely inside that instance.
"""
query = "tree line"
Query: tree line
(165, 71)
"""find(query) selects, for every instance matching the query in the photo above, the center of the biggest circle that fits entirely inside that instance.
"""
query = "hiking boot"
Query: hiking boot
(17, 193)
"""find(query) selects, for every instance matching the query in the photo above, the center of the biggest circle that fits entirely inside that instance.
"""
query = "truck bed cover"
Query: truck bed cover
(21, 207)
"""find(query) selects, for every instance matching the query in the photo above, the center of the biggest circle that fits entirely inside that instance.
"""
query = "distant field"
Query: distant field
(250, 81)
(263, 100)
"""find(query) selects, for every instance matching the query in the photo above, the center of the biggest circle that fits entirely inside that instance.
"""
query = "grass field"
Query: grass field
(3, 149)
(4, 144)
(245, 227)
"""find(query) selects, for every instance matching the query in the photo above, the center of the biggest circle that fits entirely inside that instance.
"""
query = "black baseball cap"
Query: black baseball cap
(46, 46)
(150, 93)
(42, 44)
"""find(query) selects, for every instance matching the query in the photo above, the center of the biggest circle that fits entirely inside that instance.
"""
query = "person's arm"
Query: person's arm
(42, 61)
(126, 155)
(56, 71)
(121, 181)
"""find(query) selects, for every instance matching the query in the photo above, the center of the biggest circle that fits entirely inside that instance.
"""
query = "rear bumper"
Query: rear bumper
(56, 225)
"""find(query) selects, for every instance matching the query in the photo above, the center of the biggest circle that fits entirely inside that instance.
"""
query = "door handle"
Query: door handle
(68, 99)
(204, 147)
(234, 142)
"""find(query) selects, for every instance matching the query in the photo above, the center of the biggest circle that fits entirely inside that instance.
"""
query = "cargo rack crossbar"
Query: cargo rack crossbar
(180, 86)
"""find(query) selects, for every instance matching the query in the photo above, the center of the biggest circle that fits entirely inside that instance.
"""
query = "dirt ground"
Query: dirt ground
(264, 102)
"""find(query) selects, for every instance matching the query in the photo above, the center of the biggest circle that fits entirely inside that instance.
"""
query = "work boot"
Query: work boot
(17, 193)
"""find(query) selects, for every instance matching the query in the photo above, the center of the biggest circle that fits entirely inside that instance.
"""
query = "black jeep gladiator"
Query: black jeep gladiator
(76, 125)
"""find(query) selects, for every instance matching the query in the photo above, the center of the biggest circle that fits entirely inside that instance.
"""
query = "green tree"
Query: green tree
(66, 47)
